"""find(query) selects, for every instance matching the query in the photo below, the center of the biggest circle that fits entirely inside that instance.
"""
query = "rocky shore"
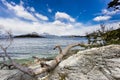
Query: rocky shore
(91, 64)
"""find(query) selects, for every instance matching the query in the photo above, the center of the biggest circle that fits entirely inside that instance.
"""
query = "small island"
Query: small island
(31, 35)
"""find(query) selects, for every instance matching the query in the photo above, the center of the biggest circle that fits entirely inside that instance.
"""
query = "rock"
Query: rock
(4, 74)
(87, 64)
(92, 64)
(14, 75)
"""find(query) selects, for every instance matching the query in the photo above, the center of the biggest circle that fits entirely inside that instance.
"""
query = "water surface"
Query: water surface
(41, 47)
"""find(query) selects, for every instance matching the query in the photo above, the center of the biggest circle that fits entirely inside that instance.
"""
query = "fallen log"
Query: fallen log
(46, 66)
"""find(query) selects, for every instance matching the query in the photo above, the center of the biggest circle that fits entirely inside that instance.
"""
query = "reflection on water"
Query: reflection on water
(42, 47)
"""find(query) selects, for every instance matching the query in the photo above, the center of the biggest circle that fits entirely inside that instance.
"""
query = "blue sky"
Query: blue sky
(59, 17)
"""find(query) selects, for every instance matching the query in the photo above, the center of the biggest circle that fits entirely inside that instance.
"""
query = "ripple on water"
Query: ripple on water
(42, 47)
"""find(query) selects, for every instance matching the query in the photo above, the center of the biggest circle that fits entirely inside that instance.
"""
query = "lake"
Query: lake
(41, 47)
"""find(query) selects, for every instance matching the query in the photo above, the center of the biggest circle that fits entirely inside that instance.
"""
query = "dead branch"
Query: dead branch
(4, 49)
(47, 65)
(50, 65)
(16, 65)
(59, 47)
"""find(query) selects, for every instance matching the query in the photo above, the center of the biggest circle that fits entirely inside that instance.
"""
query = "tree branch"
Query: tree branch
(59, 48)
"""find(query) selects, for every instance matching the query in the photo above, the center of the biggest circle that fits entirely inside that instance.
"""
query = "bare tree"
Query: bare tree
(9, 40)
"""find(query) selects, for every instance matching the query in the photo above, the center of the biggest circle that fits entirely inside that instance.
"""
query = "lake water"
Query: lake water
(41, 47)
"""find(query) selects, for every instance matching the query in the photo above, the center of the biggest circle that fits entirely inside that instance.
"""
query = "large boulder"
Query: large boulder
(93, 64)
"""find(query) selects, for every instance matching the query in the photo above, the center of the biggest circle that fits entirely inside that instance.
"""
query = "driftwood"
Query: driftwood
(46, 66)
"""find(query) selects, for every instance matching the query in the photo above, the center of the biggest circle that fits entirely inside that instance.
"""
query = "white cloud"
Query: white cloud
(107, 12)
(49, 10)
(40, 16)
(13, 3)
(62, 15)
(20, 11)
(18, 26)
(32, 9)
(58, 23)
(102, 18)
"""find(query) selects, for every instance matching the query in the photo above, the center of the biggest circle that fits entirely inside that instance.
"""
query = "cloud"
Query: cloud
(102, 18)
(49, 10)
(40, 16)
(21, 11)
(31, 9)
(107, 12)
(58, 23)
(62, 15)
(13, 3)
(56, 27)
(18, 26)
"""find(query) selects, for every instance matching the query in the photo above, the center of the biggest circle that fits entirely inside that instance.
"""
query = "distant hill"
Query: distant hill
(32, 35)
